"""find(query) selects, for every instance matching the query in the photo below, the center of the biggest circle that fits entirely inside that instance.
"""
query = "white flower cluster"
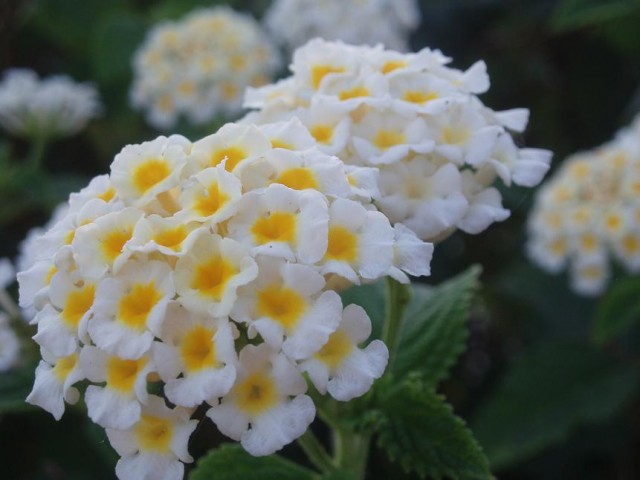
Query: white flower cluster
(212, 267)
(53, 107)
(589, 213)
(199, 66)
(294, 22)
(9, 343)
(438, 149)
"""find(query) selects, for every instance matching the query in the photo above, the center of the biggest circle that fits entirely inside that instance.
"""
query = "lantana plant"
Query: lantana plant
(239, 281)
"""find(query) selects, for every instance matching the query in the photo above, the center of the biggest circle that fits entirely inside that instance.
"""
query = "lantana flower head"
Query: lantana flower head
(586, 217)
(48, 108)
(294, 22)
(210, 269)
(199, 66)
(436, 148)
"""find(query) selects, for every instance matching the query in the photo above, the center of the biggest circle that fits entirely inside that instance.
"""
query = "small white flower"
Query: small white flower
(156, 445)
(117, 404)
(266, 408)
(54, 107)
(340, 367)
(53, 386)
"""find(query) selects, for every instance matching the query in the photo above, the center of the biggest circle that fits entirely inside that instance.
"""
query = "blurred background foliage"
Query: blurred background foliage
(549, 382)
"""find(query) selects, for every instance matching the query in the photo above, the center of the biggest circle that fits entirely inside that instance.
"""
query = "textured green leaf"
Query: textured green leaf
(435, 329)
(571, 14)
(372, 298)
(113, 42)
(420, 431)
(231, 462)
(618, 311)
(546, 395)
(14, 388)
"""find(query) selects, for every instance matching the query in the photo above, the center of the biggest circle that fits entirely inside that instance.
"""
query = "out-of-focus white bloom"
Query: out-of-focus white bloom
(437, 148)
(165, 271)
(199, 66)
(9, 345)
(294, 22)
(588, 214)
(53, 107)
(7, 273)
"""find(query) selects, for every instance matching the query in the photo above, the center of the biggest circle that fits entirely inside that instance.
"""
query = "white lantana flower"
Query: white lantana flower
(294, 22)
(156, 445)
(266, 408)
(340, 367)
(438, 148)
(49, 108)
(587, 215)
(198, 67)
(208, 277)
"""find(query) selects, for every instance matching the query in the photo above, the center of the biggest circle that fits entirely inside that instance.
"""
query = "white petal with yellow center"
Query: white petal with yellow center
(282, 222)
(130, 307)
(141, 172)
(341, 367)
(201, 352)
(118, 403)
(156, 445)
(287, 307)
(259, 410)
(207, 277)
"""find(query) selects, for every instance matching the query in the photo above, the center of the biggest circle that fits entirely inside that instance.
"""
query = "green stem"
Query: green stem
(398, 296)
(36, 153)
(316, 452)
(352, 452)
(8, 304)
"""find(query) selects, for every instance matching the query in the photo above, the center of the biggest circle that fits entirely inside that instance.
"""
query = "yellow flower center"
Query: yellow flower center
(277, 227)
(337, 348)
(388, 138)
(78, 303)
(298, 178)
(355, 92)
(149, 173)
(276, 143)
(281, 304)
(233, 156)
(122, 374)
(113, 243)
(322, 133)
(210, 200)
(154, 434)
(211, 278)
(416, 96)
(64, 366)
(171, 238)
(256, 394)
(343, 245)
(392, 65)
(136, 305)
(198, 350)
(320, 71)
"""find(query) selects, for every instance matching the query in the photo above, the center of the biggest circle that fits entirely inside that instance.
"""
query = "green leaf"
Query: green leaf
(420, 431)
(14, 387)
(114, 40)
(618, 311)
(371, 297)
(231, 462)
(572, 14)
(435, 329)
(546, 395)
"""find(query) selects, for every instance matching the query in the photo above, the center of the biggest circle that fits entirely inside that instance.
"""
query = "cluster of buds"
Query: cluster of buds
(589, 213)
(210, 271)
(49, 108)
(438, 149)
(199, 66)
(368, 22)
